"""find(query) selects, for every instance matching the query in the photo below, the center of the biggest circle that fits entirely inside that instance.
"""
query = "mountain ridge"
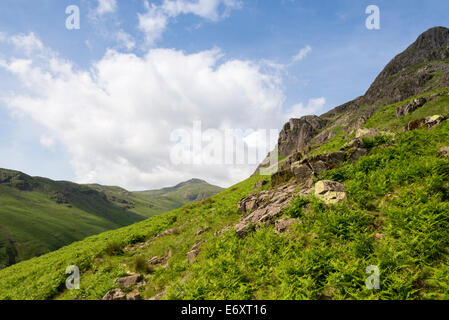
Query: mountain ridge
(39, 215)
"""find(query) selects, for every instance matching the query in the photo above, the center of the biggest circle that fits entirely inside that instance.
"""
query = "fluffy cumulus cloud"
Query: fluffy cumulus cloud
(156, 17)
(119, 119)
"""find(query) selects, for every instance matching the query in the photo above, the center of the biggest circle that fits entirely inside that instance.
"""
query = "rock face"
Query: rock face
(297, 133)
(410, 107)
(428, 123)
(357, 153)
(330, 192)
(396, 83)
(270, 205)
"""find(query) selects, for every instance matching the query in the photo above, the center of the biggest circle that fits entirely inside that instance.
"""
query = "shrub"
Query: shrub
(140, 265)
(114, 248)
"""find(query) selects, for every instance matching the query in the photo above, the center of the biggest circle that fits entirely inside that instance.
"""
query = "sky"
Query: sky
(112, 100)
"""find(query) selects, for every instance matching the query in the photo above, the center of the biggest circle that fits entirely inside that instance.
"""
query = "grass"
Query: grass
(396, 217)
(46, 274)
(399, 191)
(49, 215)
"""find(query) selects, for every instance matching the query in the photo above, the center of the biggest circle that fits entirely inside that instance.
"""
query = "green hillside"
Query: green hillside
(396, 217)
(39, 215)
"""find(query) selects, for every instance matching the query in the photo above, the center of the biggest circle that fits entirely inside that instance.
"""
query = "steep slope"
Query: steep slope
(38, 215)
(422, 67)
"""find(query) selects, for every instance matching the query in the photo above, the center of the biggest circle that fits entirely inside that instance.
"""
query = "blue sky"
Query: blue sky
(343, 60)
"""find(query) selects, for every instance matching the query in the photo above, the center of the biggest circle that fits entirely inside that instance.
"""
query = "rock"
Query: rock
(194, 251)
(415, 124)
(165, 233)
(297, 133)
(200, 232)
(281, 177)
(283, 224)
(355, 143)
(197, 245)
(364, 132)
(434, 121)
(336, 158)
(267, 211)
(191, 255)
(444, 152)
(319, 167)
(356, 154)
(249, 204)
(330, 192)
(302, 172)
(155, 261)
(134, 295)
(115, 294)
(410, 107)
(127, 282)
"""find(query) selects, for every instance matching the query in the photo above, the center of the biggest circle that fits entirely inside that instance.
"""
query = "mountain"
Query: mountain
(358, 209)
(38, 215)
(422, 67)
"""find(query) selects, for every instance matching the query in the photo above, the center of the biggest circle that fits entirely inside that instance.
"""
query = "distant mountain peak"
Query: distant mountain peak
(430, 45)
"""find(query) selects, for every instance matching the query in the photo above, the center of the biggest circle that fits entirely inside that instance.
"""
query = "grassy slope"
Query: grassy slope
(45, 275)
(399, 190)
(32, 223)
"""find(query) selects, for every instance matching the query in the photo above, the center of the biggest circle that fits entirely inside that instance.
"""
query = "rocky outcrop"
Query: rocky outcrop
(160, 261)
(127, 282)
(410, 107)
(434, 121)
(194, 251)
(428, 123)
(331, 192)
(297, 133)
(115, 294)
(270, 206)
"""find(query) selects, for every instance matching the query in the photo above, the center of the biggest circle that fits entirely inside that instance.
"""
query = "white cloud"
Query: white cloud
(314, 106)
(106, 6)
(29, 43)
(156, 18)
(125, 40)
(115, 119)
(302, 54)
